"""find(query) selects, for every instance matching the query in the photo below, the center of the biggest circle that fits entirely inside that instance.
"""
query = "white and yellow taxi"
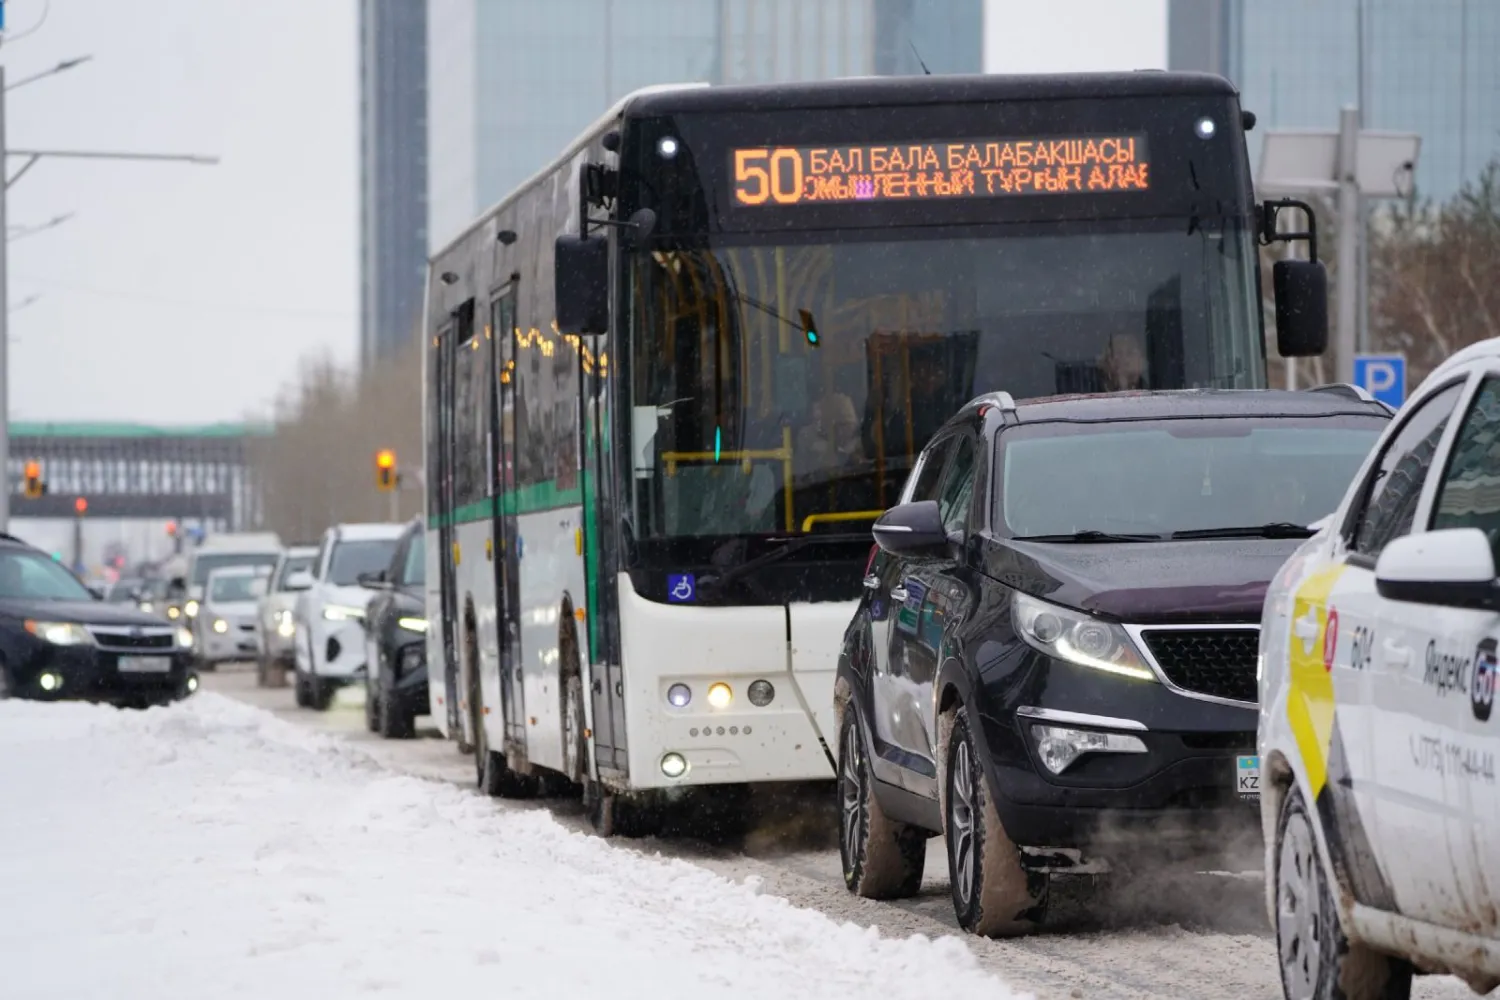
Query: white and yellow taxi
(1378, 735)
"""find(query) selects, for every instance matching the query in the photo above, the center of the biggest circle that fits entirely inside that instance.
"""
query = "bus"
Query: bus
(674, 377)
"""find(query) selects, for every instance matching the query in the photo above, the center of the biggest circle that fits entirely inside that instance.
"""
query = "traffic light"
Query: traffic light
(171, 529)
(81, 505)
(385, 470)
(34, 485)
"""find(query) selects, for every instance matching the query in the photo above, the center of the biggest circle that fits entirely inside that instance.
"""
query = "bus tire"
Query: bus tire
(575, 742)
(882, 858)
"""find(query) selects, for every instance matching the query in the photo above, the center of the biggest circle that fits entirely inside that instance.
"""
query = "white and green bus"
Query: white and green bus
(674, 377)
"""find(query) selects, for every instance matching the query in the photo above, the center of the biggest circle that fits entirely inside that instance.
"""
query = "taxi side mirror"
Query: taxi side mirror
(1452, 568)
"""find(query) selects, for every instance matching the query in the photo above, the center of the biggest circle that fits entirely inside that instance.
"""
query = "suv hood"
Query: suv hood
(79, 612)
(1221, 580)
(346, 597)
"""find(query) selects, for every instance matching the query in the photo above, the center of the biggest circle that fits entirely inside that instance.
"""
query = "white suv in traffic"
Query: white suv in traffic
(329, 612)
(1380, 800)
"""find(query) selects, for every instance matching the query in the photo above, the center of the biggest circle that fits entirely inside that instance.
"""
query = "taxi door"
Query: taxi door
(1461, 646)
(1408, 805)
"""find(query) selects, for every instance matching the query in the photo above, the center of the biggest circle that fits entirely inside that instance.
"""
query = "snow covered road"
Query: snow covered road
(219, 851)
(212, 850)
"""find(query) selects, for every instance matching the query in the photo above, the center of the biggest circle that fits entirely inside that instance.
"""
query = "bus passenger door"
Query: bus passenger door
(507, 564)
(601, 562)
(446, 580)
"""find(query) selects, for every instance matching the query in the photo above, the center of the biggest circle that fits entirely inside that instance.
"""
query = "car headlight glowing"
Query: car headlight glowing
(221, 626)
(185, 637)
(60, 633)
(342, 613)
(673, 765)
(286, 625)
(719, 695)
(1077, 638)
(190, 609)
(174, 613)
(412, 624)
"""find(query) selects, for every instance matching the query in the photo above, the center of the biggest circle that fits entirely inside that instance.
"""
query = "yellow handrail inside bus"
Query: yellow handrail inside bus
(837, 516)
(783, 455)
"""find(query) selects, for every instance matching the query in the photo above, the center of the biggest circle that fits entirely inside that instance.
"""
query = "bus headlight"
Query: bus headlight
(761, 692)
(719, 695)
(678, 695)
(1204, 128)
(674, 765)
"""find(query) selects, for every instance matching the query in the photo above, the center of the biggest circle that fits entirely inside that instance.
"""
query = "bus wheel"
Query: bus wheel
(575, 743)
(493, 773)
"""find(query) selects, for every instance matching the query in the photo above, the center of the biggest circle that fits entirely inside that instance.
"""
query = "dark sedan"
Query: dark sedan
(396, 634)
(1054, 661)
(59, 641)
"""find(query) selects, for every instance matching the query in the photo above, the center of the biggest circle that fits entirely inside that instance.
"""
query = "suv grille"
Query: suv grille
(124, 640)
(1215, 662)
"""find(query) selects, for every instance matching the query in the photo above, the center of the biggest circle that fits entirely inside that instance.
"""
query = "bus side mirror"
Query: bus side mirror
(1301, 288)
(581, 283)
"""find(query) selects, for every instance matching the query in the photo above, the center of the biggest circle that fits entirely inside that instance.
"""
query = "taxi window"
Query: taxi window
(1395, 484)
(1469, 496)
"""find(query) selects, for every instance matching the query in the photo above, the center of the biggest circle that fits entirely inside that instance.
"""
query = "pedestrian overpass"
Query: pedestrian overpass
(138, 471)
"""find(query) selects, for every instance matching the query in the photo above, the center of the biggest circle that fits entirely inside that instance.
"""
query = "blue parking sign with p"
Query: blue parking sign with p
(1382, 376)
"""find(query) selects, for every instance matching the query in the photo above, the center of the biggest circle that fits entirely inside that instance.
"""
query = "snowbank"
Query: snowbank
(212, 850)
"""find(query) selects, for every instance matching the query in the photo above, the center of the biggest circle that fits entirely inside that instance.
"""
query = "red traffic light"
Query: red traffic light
(172, 528)
(81, 505)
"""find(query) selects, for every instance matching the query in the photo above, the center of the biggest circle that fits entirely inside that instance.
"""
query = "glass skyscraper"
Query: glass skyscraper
(392, 175)
(1425, 66)
(511, 82)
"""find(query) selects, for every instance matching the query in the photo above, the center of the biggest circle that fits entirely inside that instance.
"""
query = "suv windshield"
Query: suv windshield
(206, 564)
(350, 559)
(1164, 476)
(227, 589)
(789, 388)
(33, 576)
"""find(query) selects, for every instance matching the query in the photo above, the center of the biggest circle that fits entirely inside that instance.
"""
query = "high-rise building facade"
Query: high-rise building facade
(1424, 66)
(392, 174)
(511, 82)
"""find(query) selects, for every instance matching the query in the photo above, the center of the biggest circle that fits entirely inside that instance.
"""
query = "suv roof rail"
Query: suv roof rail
(1001, 399)
(1349, 389)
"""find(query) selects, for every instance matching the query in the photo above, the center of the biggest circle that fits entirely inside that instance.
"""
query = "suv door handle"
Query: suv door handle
(898, 594)
(1396, 653)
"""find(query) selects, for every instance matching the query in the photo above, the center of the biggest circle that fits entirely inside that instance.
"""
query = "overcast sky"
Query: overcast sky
(184, 294)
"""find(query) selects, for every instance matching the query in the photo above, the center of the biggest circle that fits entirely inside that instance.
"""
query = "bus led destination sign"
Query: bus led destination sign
(791, 175)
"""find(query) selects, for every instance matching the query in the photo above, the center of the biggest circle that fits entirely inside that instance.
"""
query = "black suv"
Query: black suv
(396, 632)
(1054, 661)
(60, 641)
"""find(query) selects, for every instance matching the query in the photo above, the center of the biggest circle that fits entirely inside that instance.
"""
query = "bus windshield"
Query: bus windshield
(788, 388)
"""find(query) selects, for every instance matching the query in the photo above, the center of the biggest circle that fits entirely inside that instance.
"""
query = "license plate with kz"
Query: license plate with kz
(145, 664)
(1247, 777)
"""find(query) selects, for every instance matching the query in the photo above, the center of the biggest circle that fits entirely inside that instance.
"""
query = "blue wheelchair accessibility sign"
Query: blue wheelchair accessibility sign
(1382, 376)
(681, 587)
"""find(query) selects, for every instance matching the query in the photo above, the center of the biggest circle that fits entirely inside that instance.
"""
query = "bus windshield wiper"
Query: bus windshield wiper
(733, 573)
(1088, 537)
(1274, 529)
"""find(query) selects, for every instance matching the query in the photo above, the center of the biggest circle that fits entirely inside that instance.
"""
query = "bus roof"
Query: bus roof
(871, 91)
(582, 140)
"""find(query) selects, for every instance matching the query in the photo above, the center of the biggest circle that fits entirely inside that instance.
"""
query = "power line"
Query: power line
(229, 307)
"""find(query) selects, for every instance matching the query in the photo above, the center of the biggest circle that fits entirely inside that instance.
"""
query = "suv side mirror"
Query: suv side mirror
(373, 581)
(1301, 308)
(300, 580)
(913, 530)
(1452, 568)
(580, 272)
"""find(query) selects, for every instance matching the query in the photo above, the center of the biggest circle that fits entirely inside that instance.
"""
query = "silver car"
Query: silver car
(277, 653)
(225, 628)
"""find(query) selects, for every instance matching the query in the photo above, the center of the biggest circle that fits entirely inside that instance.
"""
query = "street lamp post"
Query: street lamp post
(6, 180)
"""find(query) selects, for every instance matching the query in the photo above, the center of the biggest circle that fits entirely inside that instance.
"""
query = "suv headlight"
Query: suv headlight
(286, 627)
(185, 638)
(412, 624)
(190, 609)
(60, 633)
(1077, 638)
(342, 613)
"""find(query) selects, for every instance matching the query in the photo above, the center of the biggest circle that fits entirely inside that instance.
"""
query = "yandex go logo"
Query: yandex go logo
(1482, 685)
